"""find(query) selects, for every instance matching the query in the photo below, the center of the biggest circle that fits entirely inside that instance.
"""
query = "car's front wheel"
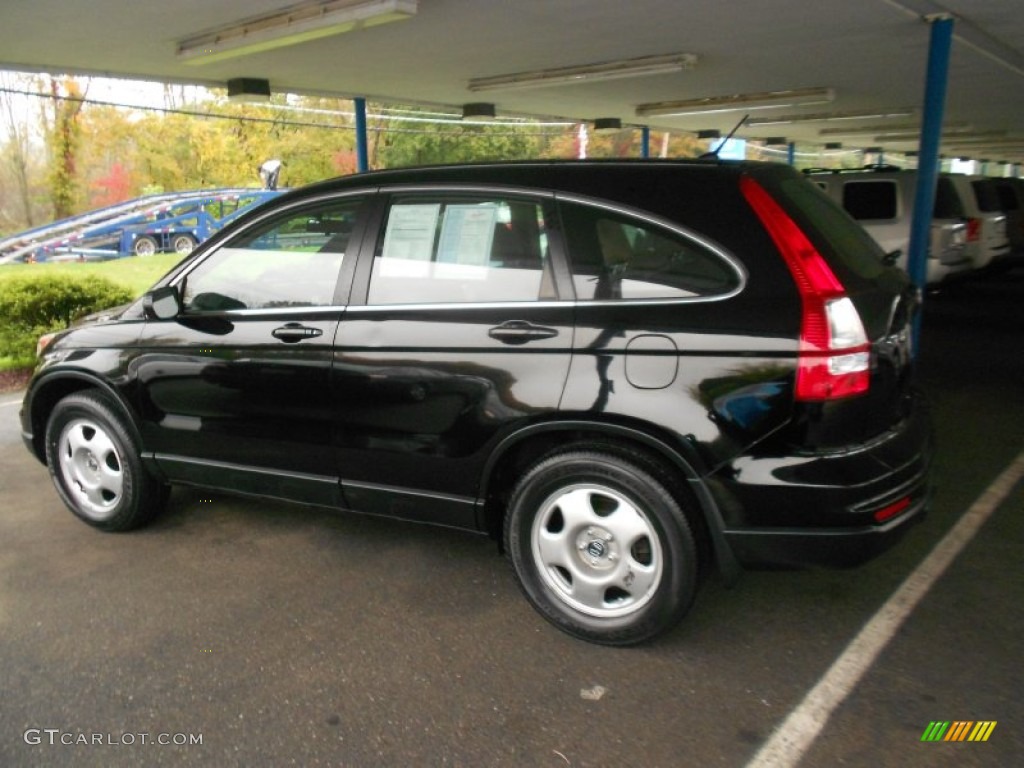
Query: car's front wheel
(601, 547)
(96, 467)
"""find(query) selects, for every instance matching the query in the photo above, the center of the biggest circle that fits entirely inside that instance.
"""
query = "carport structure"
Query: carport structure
(821, 73)
(861, 65)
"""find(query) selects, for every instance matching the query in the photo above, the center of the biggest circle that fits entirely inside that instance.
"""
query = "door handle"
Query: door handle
(293, 332)
(520, 332)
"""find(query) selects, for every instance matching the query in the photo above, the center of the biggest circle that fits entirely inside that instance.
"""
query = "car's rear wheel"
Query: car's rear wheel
(601, 547)
(96, 467)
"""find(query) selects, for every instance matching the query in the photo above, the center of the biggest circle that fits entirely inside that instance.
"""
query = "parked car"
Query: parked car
(978, 204)
(1011, 200)
(629, 373)
(881, 199)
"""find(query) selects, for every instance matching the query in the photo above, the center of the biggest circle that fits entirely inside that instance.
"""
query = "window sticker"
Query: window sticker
(467, 234)
(410, 232)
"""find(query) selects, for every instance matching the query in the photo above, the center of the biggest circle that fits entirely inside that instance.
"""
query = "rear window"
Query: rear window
(840, 239)
(987, 196)
(870, 200)
(1007, 197)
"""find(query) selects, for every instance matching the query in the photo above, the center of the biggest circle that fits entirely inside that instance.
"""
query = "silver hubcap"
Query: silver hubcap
(91, 467)
(597, 551)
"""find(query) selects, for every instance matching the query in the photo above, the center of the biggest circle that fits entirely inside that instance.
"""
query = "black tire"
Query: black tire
(95, 465)
(183, 244)
(602, 549)
(145, 245)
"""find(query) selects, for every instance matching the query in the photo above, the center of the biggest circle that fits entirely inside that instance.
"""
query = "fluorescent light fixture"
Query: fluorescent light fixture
(957, 135)
(290, 26)
(737, 102)
(477, 111)
(865, 130)
(826, 117)
(587, 73)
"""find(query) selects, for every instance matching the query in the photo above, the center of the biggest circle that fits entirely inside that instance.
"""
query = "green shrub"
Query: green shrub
(33, 305)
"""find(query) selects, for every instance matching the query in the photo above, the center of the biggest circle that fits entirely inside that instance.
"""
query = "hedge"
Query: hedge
(33, 305)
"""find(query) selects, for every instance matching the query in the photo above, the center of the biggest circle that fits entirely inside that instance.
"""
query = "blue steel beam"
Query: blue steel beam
(362, 153)
(928, 151)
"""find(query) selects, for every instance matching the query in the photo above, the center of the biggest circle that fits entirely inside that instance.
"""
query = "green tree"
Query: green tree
(64, 141)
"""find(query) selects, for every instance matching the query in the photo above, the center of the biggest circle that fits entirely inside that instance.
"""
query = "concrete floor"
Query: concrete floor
(288, 636)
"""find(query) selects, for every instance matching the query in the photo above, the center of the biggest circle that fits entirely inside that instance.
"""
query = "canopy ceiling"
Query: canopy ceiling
(871, 54)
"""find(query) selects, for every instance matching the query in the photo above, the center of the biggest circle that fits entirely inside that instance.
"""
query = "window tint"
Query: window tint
(1007, 198)
(462, 250)
(870, 199)
(987, 196)
(617, 257)
(293, 261)
(947, 201)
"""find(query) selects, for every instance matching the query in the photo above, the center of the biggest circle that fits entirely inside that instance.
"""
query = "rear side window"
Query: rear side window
(461, 250)
(947, 201)
(871, 200)
(615, 256)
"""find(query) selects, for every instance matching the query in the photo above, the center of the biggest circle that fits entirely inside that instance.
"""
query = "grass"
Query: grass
(136, 273)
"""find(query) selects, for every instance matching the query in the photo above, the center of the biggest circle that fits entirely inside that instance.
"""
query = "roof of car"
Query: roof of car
(551, 174)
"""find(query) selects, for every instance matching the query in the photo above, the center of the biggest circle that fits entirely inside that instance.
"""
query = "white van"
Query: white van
(881, 198)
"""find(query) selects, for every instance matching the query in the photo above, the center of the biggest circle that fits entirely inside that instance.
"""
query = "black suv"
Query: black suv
(623, 371)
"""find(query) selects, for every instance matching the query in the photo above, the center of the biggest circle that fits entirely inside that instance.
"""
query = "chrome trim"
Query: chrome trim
(269, 312)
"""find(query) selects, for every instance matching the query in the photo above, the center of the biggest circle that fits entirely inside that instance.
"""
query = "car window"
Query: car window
(290, 261)
(462, 250)
(947, 200)
(615, 256)
(870, 200)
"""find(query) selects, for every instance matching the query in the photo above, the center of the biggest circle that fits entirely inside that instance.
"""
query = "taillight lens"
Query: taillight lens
(834, 358)
(973, 230)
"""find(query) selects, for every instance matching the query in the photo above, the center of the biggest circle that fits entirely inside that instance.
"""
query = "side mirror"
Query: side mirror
(162, 303)
(892, 257)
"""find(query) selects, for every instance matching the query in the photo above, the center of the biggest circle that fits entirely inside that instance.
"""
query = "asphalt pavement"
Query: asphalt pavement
(235, 632)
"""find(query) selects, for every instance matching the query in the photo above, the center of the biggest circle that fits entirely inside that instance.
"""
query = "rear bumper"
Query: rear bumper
(833, 510)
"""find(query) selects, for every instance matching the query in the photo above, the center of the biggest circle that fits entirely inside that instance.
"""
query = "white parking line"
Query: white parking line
(10, 402)
(797, 733)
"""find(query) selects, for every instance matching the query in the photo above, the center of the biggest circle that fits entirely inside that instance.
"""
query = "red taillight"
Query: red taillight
(834, 356)
(973, 230)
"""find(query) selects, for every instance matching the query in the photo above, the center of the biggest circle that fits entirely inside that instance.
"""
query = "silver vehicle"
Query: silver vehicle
(987, 238)
(881, 199)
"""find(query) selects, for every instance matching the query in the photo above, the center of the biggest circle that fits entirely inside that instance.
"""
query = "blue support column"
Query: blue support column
(645, 142)
(362, 153)
(928, 153)
(791, 153)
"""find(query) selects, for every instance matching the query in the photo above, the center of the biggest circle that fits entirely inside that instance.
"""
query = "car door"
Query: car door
(235, 390)
(455, 336)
